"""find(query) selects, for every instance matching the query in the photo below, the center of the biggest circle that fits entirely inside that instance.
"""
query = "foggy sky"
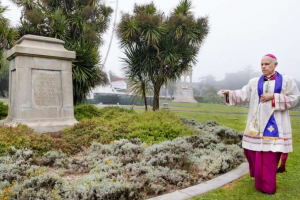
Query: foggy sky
(241, 32)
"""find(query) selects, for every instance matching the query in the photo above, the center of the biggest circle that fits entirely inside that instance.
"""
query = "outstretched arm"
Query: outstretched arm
(236, 97)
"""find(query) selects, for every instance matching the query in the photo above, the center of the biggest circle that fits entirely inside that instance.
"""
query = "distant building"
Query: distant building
(119, 85)
(184, 92)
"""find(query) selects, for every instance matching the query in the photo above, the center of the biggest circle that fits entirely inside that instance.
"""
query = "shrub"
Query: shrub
(122, 169)
(111, 112)
(112, 123)
(24, 137)
(155, 127)
(214, 130)
(3, 110)
(116, 123)
(86, 111)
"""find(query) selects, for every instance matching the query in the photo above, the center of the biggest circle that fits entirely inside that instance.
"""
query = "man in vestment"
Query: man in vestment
(268, 133)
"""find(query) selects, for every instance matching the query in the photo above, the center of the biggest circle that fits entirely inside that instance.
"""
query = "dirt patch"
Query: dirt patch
(229, 185)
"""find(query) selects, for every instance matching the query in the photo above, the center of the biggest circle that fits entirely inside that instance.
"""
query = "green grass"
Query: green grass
(235, 121)
(243, 189)
(205, 107)
(233, 117)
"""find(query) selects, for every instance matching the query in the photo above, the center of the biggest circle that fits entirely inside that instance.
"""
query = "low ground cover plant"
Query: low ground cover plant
(123, 169)
(114, 153)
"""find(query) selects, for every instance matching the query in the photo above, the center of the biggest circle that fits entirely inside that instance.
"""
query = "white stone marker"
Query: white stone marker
(184, 93)
(40, 84)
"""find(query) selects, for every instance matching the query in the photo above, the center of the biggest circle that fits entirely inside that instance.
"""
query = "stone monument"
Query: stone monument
(40, 84)
(184, 93)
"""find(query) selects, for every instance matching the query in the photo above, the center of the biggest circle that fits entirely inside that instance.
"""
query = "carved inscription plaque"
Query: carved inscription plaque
(46, 88)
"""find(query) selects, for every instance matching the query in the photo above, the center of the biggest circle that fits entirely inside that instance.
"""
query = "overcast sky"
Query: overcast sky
(241, 32)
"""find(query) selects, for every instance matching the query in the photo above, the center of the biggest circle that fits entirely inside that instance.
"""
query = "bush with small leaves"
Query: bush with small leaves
(86, 111)
(122, 169)
(22, 136)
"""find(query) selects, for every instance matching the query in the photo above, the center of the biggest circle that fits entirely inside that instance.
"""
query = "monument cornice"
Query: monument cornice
(40, 39)
(38, 46)
(39, 52)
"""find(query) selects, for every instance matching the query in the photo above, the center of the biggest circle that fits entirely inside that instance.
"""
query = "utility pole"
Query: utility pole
(110, 42)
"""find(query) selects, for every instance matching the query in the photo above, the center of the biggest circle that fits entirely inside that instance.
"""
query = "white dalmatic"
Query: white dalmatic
(284, 101)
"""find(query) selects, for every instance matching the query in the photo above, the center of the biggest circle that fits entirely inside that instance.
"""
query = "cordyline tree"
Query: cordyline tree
(160, 48)
(8, 36)
(80, 24)
(140, 84)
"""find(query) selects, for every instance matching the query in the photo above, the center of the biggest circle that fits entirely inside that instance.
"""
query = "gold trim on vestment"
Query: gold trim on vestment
(251, 132)
(270, 138)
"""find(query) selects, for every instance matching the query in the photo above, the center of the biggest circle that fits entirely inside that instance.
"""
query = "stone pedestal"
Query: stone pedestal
(40, 84)
(184, 93)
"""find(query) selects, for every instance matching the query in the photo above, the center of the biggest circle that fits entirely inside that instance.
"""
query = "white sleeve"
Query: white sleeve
(236, 97)
(289, 99)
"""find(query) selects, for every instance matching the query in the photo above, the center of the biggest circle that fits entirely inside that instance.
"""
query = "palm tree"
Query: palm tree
(8, 36)
(170, 44)
(7, 33)
(80, 24)
(140, 85)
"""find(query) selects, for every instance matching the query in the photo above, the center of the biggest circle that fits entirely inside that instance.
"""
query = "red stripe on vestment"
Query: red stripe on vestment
(285, 104)
(267, 143)
(253, 137)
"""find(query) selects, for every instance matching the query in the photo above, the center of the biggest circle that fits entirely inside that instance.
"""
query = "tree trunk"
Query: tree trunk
(159, 80)
(146, 106)
(156, 97)
(155, 101)
(145, 97)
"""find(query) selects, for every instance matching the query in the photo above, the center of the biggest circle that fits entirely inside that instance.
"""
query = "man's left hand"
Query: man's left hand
(266, 97)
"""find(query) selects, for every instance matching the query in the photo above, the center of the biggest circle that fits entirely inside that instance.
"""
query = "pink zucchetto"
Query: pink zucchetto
(271, 56)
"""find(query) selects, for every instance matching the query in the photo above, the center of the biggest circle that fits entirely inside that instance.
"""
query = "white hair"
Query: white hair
(274, 61)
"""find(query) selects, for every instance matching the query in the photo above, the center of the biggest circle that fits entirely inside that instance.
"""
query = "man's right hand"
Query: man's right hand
(225, 92)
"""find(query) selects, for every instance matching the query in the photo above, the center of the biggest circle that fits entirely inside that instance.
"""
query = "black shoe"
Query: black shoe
(281, 169)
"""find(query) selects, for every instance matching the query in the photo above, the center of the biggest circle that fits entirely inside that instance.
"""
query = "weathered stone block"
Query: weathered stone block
(40, 86)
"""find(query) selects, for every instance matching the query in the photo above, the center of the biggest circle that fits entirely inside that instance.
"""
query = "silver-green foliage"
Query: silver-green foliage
(125, 169)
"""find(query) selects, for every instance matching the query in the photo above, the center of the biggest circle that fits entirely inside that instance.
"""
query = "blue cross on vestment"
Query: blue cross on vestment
(271, 129)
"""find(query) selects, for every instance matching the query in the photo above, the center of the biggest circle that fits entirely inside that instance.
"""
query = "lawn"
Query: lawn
(243, 189)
